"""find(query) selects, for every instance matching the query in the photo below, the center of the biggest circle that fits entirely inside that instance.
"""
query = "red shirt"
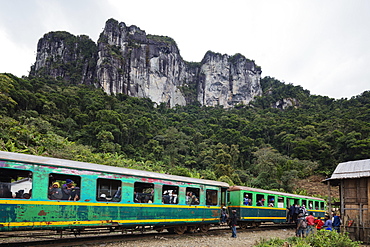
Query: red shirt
(319, 224)
(310, 220)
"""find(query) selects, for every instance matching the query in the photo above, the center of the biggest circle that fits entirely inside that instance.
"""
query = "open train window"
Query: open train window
(290, 202)
(64, 187)
(15, 183)
(192, 196)
(170, 194)
(281, 202)
(260, 200)
(304, 202)
(247, 199)
(143, 192)
(108, 190)
(296, 202)
(322, 205)
(271, 201)
(310, 205)
(211, 197)
(316, 205)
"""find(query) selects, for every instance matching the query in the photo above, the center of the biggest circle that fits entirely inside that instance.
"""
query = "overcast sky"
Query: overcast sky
(321, 45)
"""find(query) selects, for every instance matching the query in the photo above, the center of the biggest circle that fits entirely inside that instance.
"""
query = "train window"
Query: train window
(211, 197)
(310, 205)
(247, 199)
(296, 202)
(192, 196)
(64, 187)
(322, 205)
(260, 200)
(15, 183)
(316, 205)
(304, 202)
(108, 190)
(143, 192)
(271, 201)
(281, 202)
(290, 202)
(169, 194)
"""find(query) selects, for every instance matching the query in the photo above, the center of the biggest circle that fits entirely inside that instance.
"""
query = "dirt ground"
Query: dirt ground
(245, 239)
(314, 186)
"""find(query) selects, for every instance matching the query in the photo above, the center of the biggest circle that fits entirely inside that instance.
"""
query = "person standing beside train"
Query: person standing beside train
(233, 222)
(295, 213)
(301, 226)
(336, 222)
(310, 223)
(328, 225)
(223, 215)
(319, 223)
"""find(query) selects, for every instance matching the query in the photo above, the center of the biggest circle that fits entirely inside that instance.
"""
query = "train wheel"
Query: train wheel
(257, 224)
(203, 228)
(243, 225)
(180, 229)
(191, 229)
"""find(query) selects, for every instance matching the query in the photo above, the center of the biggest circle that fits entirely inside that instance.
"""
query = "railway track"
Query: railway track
(86, 238)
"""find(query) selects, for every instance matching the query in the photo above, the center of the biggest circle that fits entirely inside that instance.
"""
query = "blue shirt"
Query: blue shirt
(336, 221)
(328, 224)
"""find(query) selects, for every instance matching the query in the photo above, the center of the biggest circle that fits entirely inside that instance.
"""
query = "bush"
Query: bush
(331, 238)
(320, 239)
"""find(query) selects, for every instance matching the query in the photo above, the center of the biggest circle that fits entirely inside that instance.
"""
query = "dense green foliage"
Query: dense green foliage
(254, 145)
(163, 39)
(320, 239)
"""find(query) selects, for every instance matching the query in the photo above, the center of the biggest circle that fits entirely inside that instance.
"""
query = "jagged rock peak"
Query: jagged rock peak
(127, 60)
(228, 80)
(63, 55)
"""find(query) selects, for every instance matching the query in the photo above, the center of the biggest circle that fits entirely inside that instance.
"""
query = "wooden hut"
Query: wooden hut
(353, 179)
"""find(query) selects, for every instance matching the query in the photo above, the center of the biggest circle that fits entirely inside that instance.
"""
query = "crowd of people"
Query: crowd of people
(307, 224)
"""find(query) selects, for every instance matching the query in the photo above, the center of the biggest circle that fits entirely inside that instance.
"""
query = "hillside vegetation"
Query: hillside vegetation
(254, 145)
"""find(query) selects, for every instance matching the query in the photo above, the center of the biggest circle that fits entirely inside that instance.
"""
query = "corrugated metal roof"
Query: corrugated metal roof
(352, 169)
(27, 158)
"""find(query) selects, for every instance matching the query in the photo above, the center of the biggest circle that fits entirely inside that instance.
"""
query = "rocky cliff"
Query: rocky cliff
(127, 60)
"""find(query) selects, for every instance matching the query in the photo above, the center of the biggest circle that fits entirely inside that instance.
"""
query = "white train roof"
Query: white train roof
(238, 188)
(42, 160)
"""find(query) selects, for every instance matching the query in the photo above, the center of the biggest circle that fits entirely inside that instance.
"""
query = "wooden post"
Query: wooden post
(329, 200)
(342, 212)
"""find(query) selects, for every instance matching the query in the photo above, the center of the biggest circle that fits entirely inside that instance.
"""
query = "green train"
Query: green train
(39, 193)
(255, 206)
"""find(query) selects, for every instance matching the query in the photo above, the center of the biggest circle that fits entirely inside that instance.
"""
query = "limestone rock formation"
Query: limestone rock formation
(127, 60)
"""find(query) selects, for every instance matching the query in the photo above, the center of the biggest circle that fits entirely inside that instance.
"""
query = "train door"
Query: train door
(224, 197)
(290, 206)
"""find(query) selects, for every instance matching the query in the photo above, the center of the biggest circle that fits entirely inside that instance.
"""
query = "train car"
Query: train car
(39, 193)
(255, 206)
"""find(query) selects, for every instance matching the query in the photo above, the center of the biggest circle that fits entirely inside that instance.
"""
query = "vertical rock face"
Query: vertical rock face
(127, 60)
(63, 55)
(140, 65)
(228, 81)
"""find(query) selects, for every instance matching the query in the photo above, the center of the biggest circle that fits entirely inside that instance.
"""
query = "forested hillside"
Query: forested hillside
(255, 145)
